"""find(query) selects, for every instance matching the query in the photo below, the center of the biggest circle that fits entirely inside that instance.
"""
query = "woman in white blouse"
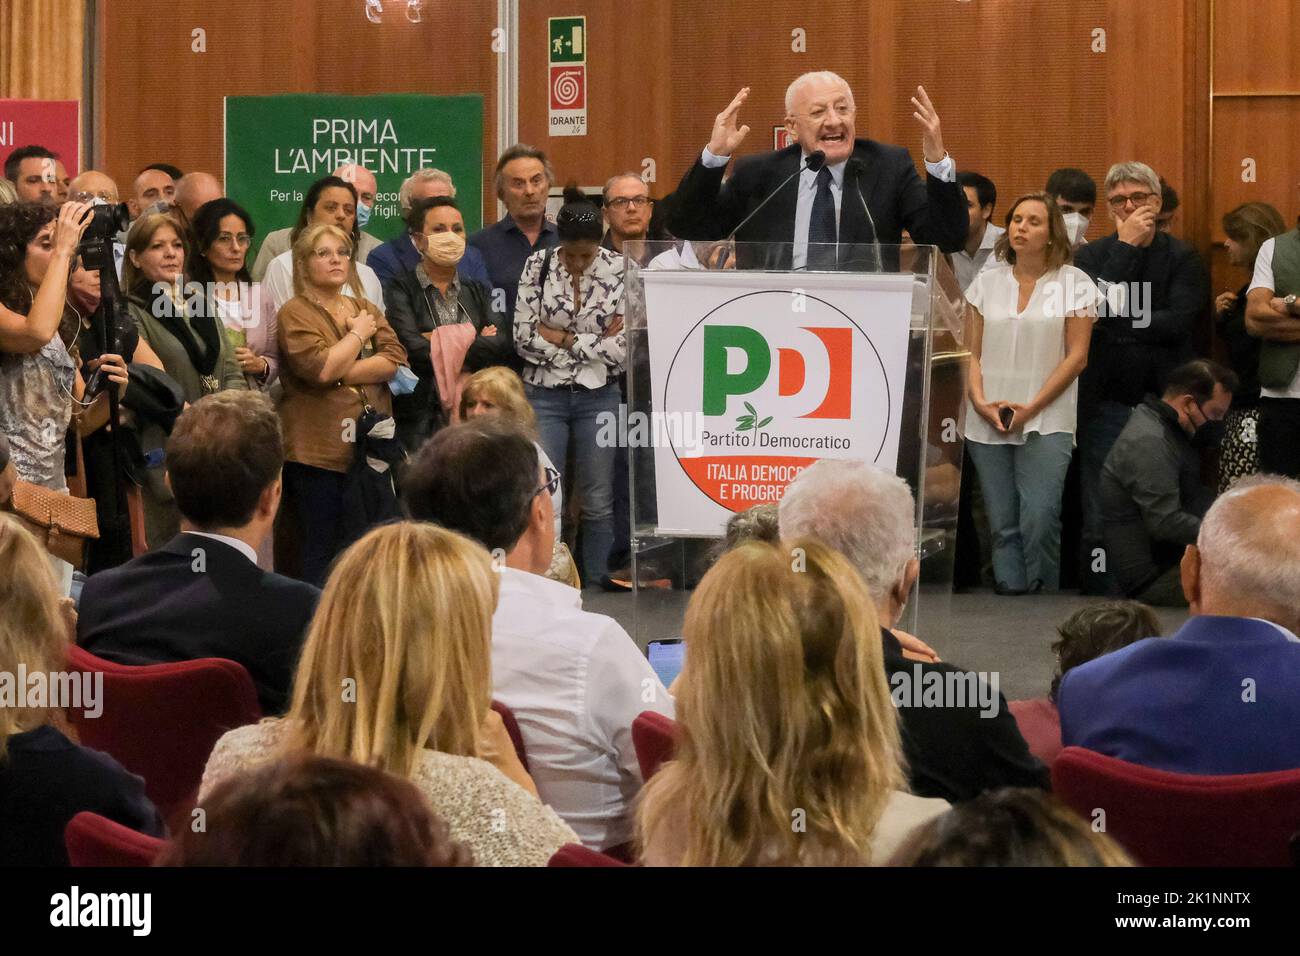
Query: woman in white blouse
(1030, 321)
(569, 332)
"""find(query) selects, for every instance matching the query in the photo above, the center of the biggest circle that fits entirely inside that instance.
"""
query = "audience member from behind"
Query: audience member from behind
(1075, 192)
(575, 680)
(202, 594)
(193, 190)
(785, 716)
(400, 253)
(1247, 228)
(1152, 498)
(316, 811)
(46, 779)
(968, 745)
(1087, 634)
(1012, 827)
(396, 674)
(1222, 694)
(32, 171)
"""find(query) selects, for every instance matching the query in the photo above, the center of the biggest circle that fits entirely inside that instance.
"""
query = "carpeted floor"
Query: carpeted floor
(978, 630)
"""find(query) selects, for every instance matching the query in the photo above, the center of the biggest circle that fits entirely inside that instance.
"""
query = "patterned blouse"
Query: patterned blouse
(594, 358)
(35, 410)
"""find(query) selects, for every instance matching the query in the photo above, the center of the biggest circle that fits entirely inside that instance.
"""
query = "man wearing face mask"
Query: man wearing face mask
(443, 319)
(1152, 497)
(278, 241)
(1076, 194)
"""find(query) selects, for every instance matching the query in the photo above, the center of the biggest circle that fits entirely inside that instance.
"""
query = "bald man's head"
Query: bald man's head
(151, 186)
(91, 185)
(195, 189)
(1246, 562)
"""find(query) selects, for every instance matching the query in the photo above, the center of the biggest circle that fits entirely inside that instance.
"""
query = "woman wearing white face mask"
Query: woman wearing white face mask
(444, 320)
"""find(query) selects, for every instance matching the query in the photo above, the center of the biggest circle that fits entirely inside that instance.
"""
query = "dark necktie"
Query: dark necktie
(822, 227)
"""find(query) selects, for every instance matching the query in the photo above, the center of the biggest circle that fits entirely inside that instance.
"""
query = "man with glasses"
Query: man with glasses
(1156, 289)
(865, 193)
(1152, 498)
(628, 208)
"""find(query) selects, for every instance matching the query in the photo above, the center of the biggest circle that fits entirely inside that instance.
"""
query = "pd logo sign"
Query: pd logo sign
(778, 379)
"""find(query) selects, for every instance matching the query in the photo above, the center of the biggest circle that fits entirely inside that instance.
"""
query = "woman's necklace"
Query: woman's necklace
(333, 308)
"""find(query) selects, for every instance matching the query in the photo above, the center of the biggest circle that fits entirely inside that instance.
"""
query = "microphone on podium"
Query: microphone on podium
(815, 161)
(855, 168)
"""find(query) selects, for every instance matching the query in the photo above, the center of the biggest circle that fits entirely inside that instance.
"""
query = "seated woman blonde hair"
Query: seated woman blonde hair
(498, 390)
(789, 752)
(396, 674)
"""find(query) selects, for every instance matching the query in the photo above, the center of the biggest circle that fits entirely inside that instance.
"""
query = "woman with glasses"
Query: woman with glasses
(338, 356)
(569, 331)
(223, 231)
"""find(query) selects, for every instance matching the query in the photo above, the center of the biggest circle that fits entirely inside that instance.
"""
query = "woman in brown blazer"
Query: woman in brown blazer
(337, 356)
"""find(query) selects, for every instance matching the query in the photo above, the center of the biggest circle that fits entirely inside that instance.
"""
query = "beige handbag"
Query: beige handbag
(64, 524)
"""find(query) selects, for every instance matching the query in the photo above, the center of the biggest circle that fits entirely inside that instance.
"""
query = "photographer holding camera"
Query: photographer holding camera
(41, 385)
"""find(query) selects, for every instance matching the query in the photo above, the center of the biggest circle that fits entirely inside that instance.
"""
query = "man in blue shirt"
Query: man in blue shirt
(399, 254)
(1222, 695)
(523, 181)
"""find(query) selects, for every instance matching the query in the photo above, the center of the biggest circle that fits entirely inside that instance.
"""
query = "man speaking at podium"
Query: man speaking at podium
(854, 192)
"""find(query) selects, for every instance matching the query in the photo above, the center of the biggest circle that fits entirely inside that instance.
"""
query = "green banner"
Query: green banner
(277, 146)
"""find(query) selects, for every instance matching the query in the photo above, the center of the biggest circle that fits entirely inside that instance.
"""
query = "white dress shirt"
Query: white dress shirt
(1263, 279)
(278, 283)
(243, 547)
(967, 267)
(945, 169)
(575, 682)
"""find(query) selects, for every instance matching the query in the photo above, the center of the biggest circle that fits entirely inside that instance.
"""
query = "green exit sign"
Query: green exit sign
(568, 39)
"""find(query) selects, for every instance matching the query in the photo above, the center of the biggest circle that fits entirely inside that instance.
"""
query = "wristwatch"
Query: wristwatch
(1289, 302)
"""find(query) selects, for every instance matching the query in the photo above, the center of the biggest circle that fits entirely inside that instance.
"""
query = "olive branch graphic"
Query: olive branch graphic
(750, 422)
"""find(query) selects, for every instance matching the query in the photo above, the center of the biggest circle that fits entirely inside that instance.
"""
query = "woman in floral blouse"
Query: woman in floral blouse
(569, 332)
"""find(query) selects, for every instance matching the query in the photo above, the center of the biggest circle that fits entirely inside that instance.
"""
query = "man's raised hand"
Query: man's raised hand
(726, 138)
(928, 117)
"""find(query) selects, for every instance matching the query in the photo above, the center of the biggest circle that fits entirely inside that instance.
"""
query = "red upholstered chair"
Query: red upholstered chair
(655, 738)
(575, 854)
(1174, 819)
(161, 721)
(93, 840)
(512, 728)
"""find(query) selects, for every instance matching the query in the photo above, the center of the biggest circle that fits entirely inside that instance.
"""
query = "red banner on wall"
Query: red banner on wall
(54, 124)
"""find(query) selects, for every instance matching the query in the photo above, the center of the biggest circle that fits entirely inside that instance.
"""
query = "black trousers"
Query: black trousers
(316, 495)
(1279, 436)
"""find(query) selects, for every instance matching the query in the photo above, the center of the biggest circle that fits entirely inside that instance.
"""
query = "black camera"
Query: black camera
(96, 248)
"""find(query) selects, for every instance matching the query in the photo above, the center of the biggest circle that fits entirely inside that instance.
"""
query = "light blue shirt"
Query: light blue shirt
(945, 169)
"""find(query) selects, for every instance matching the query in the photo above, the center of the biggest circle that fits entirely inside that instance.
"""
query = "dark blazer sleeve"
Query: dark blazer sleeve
(402, 301)
(289, 605)
(934, 211)
(703, 207)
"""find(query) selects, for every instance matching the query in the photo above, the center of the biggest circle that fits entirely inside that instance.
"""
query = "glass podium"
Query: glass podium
(742, 369)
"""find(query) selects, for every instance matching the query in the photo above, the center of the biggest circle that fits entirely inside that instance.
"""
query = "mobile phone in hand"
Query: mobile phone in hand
(1005, 415)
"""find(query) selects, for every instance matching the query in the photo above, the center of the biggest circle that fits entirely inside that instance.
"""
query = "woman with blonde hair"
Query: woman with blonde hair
(45, 778)
(498, 390)
(337, 356)
(789, 752)
(396, 674)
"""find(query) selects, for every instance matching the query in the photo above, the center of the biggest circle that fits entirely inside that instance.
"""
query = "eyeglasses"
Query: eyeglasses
(84, 196)
(635, 202)
(552, 483)
(326, 253)
(1137, 199)
(241, 241)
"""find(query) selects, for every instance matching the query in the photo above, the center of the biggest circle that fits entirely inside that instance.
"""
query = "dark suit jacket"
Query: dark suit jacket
(157, 608)
(933, 212)
(955, 752)
(1182, 703)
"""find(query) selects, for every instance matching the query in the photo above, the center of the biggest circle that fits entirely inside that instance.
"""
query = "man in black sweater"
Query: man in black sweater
(959, 737)
(1156, 290)
(202, 594)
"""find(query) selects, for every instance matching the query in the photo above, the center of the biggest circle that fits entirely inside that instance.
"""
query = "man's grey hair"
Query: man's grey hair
(1251, 548)
(425, 175)
(792, 90)
(864, 512)
(520, 151)
(1133, 172)
(604, 193)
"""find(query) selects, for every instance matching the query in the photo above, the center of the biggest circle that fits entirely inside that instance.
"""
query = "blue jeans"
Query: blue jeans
(1022, 487)
(563, 414)
(1099, 427)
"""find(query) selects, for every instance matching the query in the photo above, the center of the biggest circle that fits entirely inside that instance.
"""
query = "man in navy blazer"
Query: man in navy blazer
(202, 594)
(1222, 695)
(867, 192)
